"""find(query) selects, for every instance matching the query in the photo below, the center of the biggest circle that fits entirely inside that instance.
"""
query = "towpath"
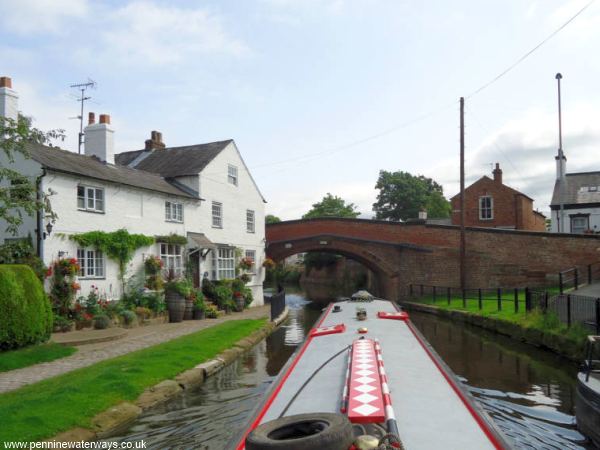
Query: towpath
(135, 339)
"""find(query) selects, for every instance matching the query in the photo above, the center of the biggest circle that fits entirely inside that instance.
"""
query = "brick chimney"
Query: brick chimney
(155, 142)
(99, 139)
(497, 174)
(9, 100)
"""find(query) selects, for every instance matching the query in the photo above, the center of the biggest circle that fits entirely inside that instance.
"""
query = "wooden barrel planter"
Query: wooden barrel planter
(189, 310)
(175, 306)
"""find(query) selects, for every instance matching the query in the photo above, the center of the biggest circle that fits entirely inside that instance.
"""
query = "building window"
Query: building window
(217, 215)
(170, 255)
(486, 208)
(232, 174)
(249, 221)
(579, 224)
(90, 199)
(91, 263)
(251, 254)
(224, 264)
(173, 212)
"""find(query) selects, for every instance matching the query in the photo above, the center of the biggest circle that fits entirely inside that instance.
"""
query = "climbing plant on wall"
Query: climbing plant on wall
(119, 245)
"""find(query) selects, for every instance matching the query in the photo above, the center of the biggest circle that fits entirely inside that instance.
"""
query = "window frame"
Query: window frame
(94, 199)
(584, 217)
(98, 270)
(172, 257)
(482, 208)
(251, 254)
(250, 221)
(171, 213)
(217, 219)
(232, 174)
(224, 263)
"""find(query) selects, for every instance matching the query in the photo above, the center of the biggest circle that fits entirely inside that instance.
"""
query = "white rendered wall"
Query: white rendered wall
(594, 219)
(236, 200)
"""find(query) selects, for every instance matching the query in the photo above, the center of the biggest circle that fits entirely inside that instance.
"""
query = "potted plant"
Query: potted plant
(239, 302)
(268, 263)
(176, 292)
(199, 306)
(246, 263)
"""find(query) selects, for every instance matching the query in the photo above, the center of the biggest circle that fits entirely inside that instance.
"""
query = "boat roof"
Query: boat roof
(430, 413)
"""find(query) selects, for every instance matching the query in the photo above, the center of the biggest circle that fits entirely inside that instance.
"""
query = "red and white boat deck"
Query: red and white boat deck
(391, 370)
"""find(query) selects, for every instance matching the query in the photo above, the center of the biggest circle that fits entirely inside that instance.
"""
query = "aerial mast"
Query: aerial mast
(82, 87)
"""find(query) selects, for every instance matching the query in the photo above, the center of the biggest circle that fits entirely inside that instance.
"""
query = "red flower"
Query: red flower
(49, 272)
(75, 286)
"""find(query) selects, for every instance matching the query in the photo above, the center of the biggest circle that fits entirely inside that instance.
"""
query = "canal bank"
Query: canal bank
(528, 392)
(561, 345)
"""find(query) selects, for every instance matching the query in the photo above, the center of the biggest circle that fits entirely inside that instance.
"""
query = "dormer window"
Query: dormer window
(486, 208)
(173, 212)
(90, 199)
(232, 174)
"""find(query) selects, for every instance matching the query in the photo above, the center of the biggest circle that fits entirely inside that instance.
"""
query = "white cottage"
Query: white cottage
(203, 192)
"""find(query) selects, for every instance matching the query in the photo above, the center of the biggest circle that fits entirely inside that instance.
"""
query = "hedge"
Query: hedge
(25, 312)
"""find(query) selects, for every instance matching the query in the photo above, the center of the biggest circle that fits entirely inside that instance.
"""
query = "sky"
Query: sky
(320, 95)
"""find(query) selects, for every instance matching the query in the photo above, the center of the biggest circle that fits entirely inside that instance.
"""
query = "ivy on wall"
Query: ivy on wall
(175, 239)
(119, 245)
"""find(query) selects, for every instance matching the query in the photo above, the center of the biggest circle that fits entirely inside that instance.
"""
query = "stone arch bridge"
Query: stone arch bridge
(403, 253)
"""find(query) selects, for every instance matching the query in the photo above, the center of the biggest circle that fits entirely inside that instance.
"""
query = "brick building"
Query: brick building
(490, 203)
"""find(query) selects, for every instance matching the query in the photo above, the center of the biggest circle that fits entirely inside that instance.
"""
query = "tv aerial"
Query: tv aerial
(83, 87)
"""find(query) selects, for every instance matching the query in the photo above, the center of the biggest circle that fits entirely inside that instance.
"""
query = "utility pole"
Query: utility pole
(82, 87)
(560, 157)
(463, 275)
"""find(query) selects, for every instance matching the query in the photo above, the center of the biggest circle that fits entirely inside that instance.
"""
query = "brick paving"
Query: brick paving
(136, 339)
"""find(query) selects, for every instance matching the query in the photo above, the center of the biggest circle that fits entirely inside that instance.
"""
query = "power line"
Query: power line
(526, 55)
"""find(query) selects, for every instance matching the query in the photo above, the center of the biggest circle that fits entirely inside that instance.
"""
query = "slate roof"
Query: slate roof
(175, 161)
(573, 194)
(88, 166)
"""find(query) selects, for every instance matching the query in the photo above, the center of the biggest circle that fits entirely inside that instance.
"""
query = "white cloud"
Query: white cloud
(40, 16)
(585, 26)
(156, 35)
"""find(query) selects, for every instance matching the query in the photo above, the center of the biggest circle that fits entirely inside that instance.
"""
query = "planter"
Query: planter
(189, 310)
(240, 303)
(175, 306)
(198, 313)
(81, 324)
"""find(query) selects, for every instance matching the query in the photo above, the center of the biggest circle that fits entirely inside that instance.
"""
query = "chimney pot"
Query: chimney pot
(91, 118)
(153, 135)
(6, 82)
(497, 172)
(105, 118)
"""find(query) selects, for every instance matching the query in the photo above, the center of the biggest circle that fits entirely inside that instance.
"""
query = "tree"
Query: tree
(402, 195)
(19, 194)
(270, 218)
(332, 206)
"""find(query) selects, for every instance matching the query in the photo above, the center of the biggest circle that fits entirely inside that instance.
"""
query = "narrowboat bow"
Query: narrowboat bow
(365, 378)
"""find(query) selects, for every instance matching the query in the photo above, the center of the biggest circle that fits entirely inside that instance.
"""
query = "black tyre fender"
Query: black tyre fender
(303, 432)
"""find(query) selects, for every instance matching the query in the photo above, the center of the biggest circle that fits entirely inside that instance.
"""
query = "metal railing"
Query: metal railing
(277, 302)
(569, 308)
(574, 277)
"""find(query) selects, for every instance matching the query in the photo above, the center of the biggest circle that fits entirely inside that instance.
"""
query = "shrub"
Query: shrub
(22, 252)
(25, 312)
(223, 294)
(248, 297)
(143, 313)
(62, 324)
(208, 289)
(211, 312)
(182, 287)
(128, 316)
(101, 321)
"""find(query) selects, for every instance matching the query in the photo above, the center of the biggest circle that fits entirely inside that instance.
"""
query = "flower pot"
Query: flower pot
(240, 303)
(189, 310)
(175, 306)
(198, 313)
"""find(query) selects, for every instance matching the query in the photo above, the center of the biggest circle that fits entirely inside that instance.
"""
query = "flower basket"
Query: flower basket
(268, 263)
(246, 263)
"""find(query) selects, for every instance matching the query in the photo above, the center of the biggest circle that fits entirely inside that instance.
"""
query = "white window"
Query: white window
(91, 263)
(579, 224)
(217, 215)
(170, 254)
(486, 208)
(90, 199)
(249, 221)
(232, 174)
(173, 212)
(251, 254)
(224, 262)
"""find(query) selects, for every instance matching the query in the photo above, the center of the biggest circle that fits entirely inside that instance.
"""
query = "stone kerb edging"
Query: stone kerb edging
(120, 416)
(553, 342)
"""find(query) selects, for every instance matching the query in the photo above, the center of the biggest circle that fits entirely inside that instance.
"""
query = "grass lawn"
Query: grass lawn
(15, 359)
(44, 409)
(549, 322)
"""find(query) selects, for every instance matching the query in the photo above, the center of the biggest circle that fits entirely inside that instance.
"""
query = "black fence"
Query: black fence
(574, 277)
(569, 308)
(277, 302)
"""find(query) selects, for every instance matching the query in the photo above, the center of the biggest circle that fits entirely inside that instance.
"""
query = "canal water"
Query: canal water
(528, 392)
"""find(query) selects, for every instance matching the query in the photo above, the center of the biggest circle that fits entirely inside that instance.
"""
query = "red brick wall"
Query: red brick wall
(511, 209)
(495, 258)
